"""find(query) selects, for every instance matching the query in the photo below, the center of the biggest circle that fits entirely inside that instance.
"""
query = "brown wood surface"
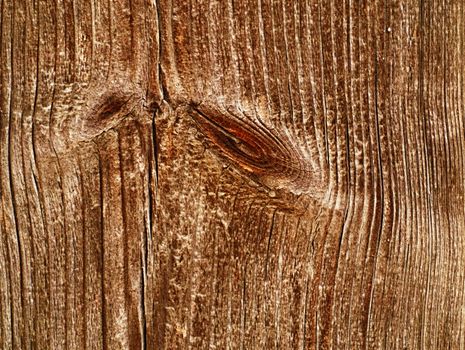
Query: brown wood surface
(237, 174)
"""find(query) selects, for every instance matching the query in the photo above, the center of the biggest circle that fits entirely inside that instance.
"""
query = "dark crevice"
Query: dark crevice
(84, 252)
(102, 258)
(10, 179)
(381, 199)
(155, 150)
(142, 300)
(161, 74)
(60, 172)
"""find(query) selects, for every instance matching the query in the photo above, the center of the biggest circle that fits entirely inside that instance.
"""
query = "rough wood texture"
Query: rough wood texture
(252, 174)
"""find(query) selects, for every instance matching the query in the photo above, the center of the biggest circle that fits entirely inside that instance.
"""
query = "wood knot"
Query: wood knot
(253, 149)
(109, 109)
(102, 112)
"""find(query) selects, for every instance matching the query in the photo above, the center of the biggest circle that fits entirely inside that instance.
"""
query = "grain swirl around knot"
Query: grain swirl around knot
(251, 148)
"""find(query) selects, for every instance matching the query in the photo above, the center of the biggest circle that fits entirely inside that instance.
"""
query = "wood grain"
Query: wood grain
(253, 174)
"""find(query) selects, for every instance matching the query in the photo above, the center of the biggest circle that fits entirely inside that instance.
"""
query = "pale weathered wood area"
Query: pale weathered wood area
(237, 174)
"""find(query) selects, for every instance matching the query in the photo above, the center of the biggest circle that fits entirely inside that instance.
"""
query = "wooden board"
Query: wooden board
(252, 174)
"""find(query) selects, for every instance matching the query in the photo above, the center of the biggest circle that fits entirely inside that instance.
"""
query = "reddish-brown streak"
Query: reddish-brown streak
(252, 148)
(238, 143)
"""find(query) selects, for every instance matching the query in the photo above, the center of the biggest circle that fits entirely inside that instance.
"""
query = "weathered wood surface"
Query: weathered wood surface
(250, 174)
